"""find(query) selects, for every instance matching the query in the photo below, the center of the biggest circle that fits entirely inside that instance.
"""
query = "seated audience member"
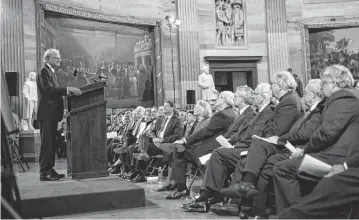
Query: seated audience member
(191, 122)
(335, 196)
(118, 141)
(203, 113)
(60, 141)
(356, 85)
(286, 113)
(168, 130)
(218, 125)
(213, 100)
(224, 160)
(335, 138)
(131, 137)
(298, 135)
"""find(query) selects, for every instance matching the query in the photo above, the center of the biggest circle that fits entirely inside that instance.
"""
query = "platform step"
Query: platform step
(67, 196)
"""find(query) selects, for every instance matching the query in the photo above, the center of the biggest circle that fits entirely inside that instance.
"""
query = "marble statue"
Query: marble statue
(30, 95)
(229, 22)
(206, 83)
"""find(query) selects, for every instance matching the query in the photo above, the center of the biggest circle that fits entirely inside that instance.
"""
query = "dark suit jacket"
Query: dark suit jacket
(218, 125)
(337, 133)
(50, 101)
(240, 120)
(286, 113)
(353, 161)
(303, 129)
(254, 127)
(174, 129)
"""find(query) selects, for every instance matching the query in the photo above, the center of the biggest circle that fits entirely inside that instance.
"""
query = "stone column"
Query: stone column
(12, 45)
(188, 47)
(278, 49)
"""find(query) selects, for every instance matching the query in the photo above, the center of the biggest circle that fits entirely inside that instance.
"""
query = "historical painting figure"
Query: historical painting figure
(206, 83)
(229, 22)
(30, 95)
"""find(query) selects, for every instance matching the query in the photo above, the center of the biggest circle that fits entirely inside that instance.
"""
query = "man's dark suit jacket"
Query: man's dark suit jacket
(337, 133)
(174, 129)
(304, 127)
(243, 119)
(218, 125)
(353, 161)
(286, 113)
(50, 101)
(254, 127)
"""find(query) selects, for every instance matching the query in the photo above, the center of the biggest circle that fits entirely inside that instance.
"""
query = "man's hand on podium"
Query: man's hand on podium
(74, 90)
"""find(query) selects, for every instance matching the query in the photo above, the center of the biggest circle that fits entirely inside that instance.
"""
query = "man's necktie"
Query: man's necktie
(56, 81)
(163, 124)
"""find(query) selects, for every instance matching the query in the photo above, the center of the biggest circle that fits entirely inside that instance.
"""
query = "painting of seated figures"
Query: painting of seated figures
(334, 46)
(93, 51)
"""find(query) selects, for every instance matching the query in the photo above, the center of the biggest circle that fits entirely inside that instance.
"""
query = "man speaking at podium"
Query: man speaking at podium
(50, 112)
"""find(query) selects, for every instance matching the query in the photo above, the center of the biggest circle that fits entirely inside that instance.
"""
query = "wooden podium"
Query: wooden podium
(86, 133)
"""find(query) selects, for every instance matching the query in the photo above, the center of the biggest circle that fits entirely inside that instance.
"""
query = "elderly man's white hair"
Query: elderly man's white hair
(48, 54)
(265, 90)
(285, 81)
(228, 97)
(338, 74)
(246, 93)
(140, 109)
(207, 108)
(315, 85)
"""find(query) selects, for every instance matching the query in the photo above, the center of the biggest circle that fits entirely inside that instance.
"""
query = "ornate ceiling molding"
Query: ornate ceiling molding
(95, 16)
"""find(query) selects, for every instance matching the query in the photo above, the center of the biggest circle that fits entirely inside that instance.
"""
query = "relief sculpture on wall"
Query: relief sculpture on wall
(229, 23)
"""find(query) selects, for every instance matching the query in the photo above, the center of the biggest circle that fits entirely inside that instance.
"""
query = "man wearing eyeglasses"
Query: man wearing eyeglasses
(50, 112)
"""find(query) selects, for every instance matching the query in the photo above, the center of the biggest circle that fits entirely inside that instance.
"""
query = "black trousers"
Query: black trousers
(222, 163)
(180, 161)
(48, 131)
(332, 198)
(287, 182)
(265, 178)
(140, 165)
(259, 152)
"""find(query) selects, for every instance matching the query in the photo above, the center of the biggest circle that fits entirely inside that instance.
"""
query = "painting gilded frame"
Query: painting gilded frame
(318, 23)
(157, 34)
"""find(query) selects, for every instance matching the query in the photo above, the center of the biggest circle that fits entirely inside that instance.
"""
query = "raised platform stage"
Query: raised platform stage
(67, 196)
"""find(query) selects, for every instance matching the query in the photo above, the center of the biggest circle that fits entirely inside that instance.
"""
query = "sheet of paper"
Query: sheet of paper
(205, 158)
(290, 147)
(263, 139)
(314, 166)
(111, 135)
(223, 142)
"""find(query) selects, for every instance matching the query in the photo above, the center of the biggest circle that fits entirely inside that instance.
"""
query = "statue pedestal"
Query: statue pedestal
(29, 144)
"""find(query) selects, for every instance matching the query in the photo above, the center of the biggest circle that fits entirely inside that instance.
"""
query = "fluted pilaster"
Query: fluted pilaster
(12, 44)
(188, 47)
(278, 49)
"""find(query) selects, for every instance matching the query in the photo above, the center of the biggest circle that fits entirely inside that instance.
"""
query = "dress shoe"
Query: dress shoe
(184, 206)
(48, 177)
(173, 187)
(178, 195)
(132, 176)
(116, 170)
(198, 207)
(54, 173)
(120, 150)
(139, 179)
(129, 175)
(240, 190)
(164, 188)
(225, 209)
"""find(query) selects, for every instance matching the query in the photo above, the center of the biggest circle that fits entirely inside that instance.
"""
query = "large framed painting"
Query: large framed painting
(93, 50)
(331, 42)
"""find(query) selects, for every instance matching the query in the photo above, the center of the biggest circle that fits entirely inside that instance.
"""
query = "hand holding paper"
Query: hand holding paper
(314, 166)
(223, 142)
